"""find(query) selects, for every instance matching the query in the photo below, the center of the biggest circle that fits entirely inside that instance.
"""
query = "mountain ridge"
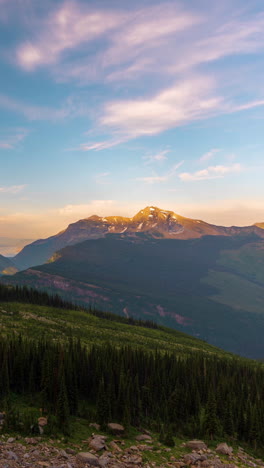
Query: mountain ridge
(211, 287)
(157, 222)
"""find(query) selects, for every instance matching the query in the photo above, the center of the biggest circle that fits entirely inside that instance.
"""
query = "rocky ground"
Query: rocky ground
(104, 451)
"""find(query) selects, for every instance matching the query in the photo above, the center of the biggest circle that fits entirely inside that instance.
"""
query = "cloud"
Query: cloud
(12, 189)
(71, 107)
(212, 172)
(209, 155)
(66, 28)
(102, 178)
(101, 145)
(161, 178)
(10, 138)
(158, 157)
(127, 38)
(188, 100)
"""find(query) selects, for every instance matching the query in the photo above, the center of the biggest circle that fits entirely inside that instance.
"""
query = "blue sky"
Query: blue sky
(107, 107)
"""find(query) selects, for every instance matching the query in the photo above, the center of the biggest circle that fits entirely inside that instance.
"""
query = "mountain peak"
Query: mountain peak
(153, 212)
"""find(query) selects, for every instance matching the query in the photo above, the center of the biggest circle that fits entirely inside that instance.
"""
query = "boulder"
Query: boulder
(224, 449)
(196, 445)
(97, 442)
(192, 458)
(116, 428)
(134, 460)
(115, 447)
(42, 421)
(144, 437)
(87, 457)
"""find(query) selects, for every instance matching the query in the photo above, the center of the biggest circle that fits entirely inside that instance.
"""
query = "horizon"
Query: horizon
(107, 108)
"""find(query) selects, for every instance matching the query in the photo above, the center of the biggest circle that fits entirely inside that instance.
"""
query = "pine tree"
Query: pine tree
(212, 423)
(62, 407)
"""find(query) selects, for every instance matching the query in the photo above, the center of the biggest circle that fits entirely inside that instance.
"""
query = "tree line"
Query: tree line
(193, 395)
(25, 294)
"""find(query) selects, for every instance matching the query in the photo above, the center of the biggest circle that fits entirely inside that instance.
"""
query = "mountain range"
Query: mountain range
(152, 220)
(205, 280)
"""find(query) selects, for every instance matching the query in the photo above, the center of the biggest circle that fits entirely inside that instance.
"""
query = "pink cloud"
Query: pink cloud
(66, 28)
(186, 101)
(211, 172)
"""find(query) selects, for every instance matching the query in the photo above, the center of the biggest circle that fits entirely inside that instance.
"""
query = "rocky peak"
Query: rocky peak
(151, 213)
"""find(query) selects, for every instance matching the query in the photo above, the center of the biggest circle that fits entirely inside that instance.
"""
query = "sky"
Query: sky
(109, 106)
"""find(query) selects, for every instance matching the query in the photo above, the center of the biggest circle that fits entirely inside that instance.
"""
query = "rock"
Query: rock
(104, 460)
(97, 442)
(64, 454)
(196, 445)
(134, 459)
(12, 455)
(31, 440)
(145, 447)
(224, 449)
(191, 458)
(115, 447)
(144, 437)
(95, 425)
(87, 457)
(42, 421)
(11, 440)
(70, 451)
(116, 428)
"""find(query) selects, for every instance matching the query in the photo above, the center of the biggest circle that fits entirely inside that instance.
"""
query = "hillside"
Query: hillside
(156, 222)
(59, 324)
(7, 267)
(211, 287)
(81, 368)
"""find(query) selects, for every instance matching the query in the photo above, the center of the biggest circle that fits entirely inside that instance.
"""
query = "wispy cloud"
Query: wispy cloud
(71, 107)
(186, 101)
(102, 178)
(66, 28)
(158, 157)
(211, 172)
(12, 189)
(209, 155)
(9, 139)
(101, 145)
(155, 178)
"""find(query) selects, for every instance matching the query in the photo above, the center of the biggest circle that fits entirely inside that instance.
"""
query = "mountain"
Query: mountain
(211, 287)
(152, 220)
(259, 225)
(7, 267)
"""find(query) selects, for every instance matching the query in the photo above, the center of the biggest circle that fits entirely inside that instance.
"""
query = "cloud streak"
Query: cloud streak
(186, 101)
(12, 189)
(211, 172)
(10, 139)
(209, 155)
(161, 178)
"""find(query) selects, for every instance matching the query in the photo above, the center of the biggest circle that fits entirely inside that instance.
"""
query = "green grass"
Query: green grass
(34, 321)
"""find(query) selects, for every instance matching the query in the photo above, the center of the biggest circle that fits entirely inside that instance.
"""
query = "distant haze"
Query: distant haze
(10, 247)
(48, 222)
